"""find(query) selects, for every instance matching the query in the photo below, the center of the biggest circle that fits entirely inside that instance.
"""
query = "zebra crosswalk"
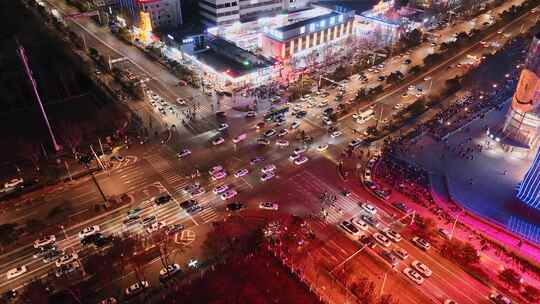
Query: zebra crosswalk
(312, 187)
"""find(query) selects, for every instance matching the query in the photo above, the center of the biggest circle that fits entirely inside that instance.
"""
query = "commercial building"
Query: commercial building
(299, 37)
(162, 13)
(227, 12)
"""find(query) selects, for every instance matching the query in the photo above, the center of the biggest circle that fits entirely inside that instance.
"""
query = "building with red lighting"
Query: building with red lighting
(306, 35)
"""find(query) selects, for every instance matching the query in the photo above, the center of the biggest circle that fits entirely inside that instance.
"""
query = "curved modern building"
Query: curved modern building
(523, 122)
(523, 119)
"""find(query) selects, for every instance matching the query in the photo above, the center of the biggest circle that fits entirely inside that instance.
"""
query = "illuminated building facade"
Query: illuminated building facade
(523, 121)
(162, 13)
(523, 118)
(290, 40)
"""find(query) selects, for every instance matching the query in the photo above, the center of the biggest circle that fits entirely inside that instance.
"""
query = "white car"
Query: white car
(15, 272)
(239, 138)
(66, 258)
(169, 271)
(295, 125)
(229, 194)
(322, 148)
(268, 168)
(251, 114)
(413, 275)
(184, 153)
(223, 127)
(44, 241)
(282, 132)
(241, 172)
(268, 206)
(299, 150)
(391, 234)
(137, 288)
(219, 175)
(398, 106)
(301, 160)
(381, 239)
(155, 227)
(282, 143)
(218, 141)
(16, 182)
(421, 268)
(88, 231)
(427, 78)
(336, 134)
(420, 242)
(267, 176)
(360, 224)
(369, 208)
(215, 169)
(220, 189)
(350, 229)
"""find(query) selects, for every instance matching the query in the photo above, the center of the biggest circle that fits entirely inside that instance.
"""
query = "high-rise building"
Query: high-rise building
(162, 13)
(523, 118)
(529, 189)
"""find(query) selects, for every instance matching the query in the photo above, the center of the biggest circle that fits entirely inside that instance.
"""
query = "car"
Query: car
(220, 189)
(269, 206)
(450, 301)
(181, 101)
(44, 241)
(267, 176)
(397, 106)
(427, 78)
(134, 212)
(147, 221)
(190, 206)
(221, 115)
(444, 233)
(391, 234)
(216, 176)
(88, 231)
(52, 256)
(360, 224)
(433, 44)
(407, 61)
(155, 227)
(222, 127)
(91, 239)
(421, 243)
(201, 191)
(346, 193)
(136, 288)
(401, 253)
(174, 228)
(42, 251)
(282, 143)
(234, 206)
(371, 220)
(301, 160)
(66, 269)
(218, 141)
(413, 275)
(256, 160)
(369, 208)
(260, 125)
(421, 268)
(382, 194)
(368, 240)
(263, 141)
(169, 271)
(382, 239)
(299, 150)
(163, 199)
(355, 143)
(183, 154)
(350, 229)
(251, 114)
(401, 206)
(229, 194)
(336, 134)
(66, 258)
(110, 300)
(14, 183)
(15, 272)
(282, 132)
(389, 257)
(499, 298)
(301, 114)
(239, 138)
(322, 148)
(268, 168)
(270, 133)
(295, 125)
(241, 172)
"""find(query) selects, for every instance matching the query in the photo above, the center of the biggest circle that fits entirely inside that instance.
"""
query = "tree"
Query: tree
(531, 293)
(364, 289)
(29, 150)
(8, 234)
(415, 70)
(418, 107)
(425, 227)
(452, 85)
(431, 59)
(71, 134)
(463, 253)
(93, 52)
(510, 277)
(35, 292)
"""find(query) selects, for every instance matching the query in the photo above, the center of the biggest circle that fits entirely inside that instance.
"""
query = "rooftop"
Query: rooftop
(304, 22)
